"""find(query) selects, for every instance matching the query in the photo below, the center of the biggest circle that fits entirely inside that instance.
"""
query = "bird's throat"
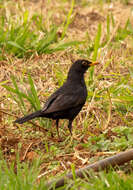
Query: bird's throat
(76, 77)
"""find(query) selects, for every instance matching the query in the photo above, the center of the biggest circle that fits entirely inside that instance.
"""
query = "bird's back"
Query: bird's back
(67, 101)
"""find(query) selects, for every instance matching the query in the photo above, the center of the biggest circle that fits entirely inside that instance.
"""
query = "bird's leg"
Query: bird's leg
(70, 129)
(57, 128)
(70, 126)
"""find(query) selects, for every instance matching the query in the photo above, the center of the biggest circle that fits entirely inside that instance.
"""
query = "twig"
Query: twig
(63, 165)
(5, 112)
(43, 174)
(112, 161)
(25, 154)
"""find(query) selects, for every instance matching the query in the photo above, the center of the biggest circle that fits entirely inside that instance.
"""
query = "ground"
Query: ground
(104, 126)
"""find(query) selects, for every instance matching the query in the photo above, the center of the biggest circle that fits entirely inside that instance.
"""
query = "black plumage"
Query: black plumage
(67, 101)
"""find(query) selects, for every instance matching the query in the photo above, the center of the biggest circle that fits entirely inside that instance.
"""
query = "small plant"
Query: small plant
(24, 178)
(24, 36)
(31, 95)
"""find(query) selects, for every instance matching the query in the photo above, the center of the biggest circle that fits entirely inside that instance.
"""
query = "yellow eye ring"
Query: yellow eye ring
(84, 63)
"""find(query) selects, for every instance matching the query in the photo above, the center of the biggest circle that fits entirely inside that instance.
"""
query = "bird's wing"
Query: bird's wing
(64, 101)
(50, 101)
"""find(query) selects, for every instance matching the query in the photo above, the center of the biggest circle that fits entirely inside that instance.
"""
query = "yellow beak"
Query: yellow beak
(94, 63)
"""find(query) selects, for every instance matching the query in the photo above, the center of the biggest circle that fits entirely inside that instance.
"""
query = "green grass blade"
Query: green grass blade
(96, 47)
(63, 46)
(112, 20)
(34, 92)
(73, 171)
(97, 43)
(45, 42)
(26, 16)
(9, 89)
(68, 19)
(14, 91)
(16, 45)
(3, 82)
(20, 97)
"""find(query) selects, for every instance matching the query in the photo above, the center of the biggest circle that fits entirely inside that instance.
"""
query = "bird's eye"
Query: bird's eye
(84, 63)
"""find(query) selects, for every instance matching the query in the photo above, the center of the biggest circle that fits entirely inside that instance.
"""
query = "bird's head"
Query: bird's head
(81, 65)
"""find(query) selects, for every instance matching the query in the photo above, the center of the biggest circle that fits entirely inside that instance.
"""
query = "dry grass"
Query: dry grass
(98, 114)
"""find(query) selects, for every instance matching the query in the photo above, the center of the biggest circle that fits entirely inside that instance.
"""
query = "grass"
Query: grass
(26, 179)
(37, 46)
(24, 35)
(31, 95)
(10, 180)
(108, 181)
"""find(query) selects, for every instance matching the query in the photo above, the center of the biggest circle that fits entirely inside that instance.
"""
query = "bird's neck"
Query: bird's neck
(75, 76)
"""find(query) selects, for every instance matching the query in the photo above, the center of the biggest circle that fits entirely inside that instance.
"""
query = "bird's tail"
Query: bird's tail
(28, 117)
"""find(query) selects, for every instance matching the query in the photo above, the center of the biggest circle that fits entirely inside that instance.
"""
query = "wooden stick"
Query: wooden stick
(25, 154)
(112, 161)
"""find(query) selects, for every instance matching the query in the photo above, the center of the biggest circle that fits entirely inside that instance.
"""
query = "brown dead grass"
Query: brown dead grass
(43, 69)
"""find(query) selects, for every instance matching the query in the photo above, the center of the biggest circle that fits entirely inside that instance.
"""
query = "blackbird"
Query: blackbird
(67, 101)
